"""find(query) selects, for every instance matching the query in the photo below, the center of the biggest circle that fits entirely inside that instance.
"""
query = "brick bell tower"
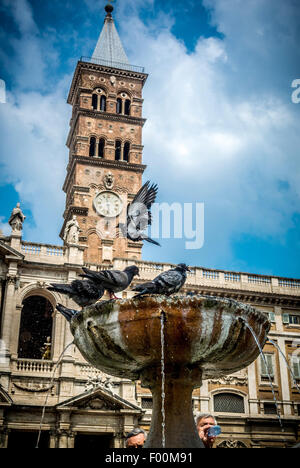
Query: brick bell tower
(105, 142)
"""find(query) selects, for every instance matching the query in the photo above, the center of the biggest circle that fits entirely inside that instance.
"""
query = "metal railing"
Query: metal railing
(111, 63)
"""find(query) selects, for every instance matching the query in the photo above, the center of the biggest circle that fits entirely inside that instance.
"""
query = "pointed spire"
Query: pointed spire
(109, 47)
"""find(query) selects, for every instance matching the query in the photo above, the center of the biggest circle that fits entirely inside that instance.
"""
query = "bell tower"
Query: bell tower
(105, 147)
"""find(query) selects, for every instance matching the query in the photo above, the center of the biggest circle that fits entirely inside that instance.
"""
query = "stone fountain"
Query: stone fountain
(204, 337)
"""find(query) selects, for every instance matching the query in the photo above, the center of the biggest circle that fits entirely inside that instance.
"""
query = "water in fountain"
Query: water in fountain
(287, 363)
(162, 338)
(48, 392)
(269, 376)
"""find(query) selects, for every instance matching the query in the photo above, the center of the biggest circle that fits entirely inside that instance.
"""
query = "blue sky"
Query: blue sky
(221, 129)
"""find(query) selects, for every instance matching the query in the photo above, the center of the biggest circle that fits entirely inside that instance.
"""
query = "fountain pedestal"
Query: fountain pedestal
(202, 338)
(180, 429)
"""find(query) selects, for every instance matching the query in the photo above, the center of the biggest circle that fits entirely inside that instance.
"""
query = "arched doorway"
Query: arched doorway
(35, 336)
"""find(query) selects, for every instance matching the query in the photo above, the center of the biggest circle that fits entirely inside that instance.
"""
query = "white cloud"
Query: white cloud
(215, 136)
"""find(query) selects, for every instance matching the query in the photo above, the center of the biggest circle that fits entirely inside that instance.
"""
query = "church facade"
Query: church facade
(83, 406)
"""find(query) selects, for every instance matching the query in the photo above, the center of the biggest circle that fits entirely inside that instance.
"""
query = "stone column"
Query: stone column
(63, 439)
(8, 313)
(53, 439)
(278, 318)
(122, 151)
(284, 377)
(96, 148)
(204, 397)
(252, 384)
(4, 437)
(119, 441)
(71, 439)
(180, 428)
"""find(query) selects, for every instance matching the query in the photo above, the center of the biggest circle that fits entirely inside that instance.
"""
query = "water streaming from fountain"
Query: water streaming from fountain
(269, 376)
(287, 363)
(162, 338)
(48, 392)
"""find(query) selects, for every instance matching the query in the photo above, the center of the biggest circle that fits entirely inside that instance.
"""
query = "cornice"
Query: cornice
(262, 298)
(107, 163)
(100, 115)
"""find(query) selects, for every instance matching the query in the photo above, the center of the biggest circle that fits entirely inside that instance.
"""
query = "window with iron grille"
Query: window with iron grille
(147, 403)
(270, 408)
(228, 403)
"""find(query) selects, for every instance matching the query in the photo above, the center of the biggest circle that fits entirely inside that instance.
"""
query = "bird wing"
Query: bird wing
(62, 288)
(96, 276)
(87, 288)
(169, 278)
(111, 279)
(138, 210)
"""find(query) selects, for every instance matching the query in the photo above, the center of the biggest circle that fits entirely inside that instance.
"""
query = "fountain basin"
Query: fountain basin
(204, 337)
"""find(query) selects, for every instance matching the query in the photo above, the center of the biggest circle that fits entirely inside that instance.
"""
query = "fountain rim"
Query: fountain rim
(143, 303)
(110, 313)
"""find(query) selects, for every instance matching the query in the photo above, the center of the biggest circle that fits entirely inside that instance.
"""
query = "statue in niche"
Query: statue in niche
(109, 181)
(16, 219)
(72, 230)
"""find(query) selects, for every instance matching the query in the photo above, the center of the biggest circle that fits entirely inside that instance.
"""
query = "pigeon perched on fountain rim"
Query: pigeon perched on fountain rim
(83, 292)
(112, 280)
(139, 215)
(167, 283)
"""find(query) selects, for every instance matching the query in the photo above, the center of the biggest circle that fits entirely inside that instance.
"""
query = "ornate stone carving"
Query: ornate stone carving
(231, 443)
(238, 378)
(33, 387)
(99, 381)
(109, 181)
(99, 404)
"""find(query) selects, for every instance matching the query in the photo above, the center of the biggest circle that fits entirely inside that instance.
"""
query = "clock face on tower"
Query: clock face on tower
(108, 204)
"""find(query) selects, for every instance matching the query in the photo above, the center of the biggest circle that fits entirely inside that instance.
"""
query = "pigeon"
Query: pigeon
(112, 280)
(167, 283)
(139, 215)
(67, 313)
(83, 292)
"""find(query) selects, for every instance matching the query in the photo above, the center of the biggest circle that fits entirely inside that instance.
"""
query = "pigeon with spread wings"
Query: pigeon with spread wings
(139, 215)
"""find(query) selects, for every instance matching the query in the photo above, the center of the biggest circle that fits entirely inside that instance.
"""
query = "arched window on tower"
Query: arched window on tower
(126, 151)
(119, 106)
(103, 103)
(127, 107)
(118, 150)
(92, 146)
(95, 101)
(101, 148)
(35, 336)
